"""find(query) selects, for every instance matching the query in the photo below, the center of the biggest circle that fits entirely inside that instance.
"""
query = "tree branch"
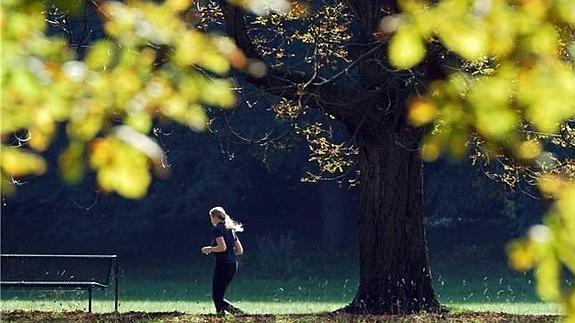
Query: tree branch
(293, 86)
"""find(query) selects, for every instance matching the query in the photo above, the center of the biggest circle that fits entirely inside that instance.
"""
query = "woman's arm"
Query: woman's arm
(238, 248)
(221, 247)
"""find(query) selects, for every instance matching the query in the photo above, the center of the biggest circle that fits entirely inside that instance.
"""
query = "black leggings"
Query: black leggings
(223, 274)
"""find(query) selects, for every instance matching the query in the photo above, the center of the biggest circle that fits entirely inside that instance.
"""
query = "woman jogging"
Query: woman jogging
(226, 246)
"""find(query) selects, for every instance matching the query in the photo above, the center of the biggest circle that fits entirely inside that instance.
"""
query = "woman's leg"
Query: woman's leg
(232, 268)
(231, 272)
(219, 284)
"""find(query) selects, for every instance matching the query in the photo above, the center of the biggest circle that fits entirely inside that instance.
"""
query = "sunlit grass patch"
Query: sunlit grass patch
(183, 306)
(205, 306)
(176, 289)
(523, 308)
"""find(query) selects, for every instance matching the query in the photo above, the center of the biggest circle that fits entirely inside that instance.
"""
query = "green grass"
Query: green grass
(523, 308)
(509, 294)
(255, 296)
(468, 278)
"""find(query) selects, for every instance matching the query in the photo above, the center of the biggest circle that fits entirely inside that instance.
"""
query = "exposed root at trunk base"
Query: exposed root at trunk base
(359, 307)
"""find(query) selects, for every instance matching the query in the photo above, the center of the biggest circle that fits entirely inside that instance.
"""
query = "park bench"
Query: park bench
(60, 272)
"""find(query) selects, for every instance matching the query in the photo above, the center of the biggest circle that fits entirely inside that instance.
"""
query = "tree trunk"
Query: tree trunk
(394, 275)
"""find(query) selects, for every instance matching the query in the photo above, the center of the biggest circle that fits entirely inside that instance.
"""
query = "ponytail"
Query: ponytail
(229, 223)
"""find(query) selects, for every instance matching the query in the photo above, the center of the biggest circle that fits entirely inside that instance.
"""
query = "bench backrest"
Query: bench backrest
(57, 268)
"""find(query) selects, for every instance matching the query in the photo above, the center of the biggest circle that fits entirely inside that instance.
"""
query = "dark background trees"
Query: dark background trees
(49, 216)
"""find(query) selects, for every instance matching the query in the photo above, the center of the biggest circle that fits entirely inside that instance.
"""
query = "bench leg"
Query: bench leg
(90, 299)
(116, 290)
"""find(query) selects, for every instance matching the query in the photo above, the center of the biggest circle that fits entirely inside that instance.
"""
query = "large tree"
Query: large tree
(369, 98)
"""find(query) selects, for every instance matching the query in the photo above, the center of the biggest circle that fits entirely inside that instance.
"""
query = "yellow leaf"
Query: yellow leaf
(551, 185)
(430, 151)
(496, 123)
(406, 48)
(178, 5)
(547, 275)
(218, 93)
(100, 153)
(468, 42)
(121, 168)
(214, 62)
(544, 40)
(100, 54)
(132, 182)
(189, 48)
(175, 108)
(421, 112)
(141, 121)
(16, 162)
(197, 118)
(106, 178)
(521, 254)
(40, 138)
(529, 149)
(565, 10)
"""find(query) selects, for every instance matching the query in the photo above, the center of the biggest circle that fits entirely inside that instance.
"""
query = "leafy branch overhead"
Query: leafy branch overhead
(510, 98)
(517, 59)
(151, 67)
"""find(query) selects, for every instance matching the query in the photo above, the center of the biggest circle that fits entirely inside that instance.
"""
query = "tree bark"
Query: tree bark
(394, 275)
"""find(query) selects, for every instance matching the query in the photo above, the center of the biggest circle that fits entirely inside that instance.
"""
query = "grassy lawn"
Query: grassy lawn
(177, 295)
(466, 280)
(509, 295)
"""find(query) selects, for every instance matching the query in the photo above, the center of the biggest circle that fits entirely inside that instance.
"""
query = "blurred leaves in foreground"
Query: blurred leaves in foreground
(509, 89)
(151, 67)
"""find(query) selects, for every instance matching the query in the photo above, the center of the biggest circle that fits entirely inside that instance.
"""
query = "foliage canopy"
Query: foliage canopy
(151, 67)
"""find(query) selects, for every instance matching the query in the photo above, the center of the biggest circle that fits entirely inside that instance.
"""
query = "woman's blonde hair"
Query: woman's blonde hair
(229, 223)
